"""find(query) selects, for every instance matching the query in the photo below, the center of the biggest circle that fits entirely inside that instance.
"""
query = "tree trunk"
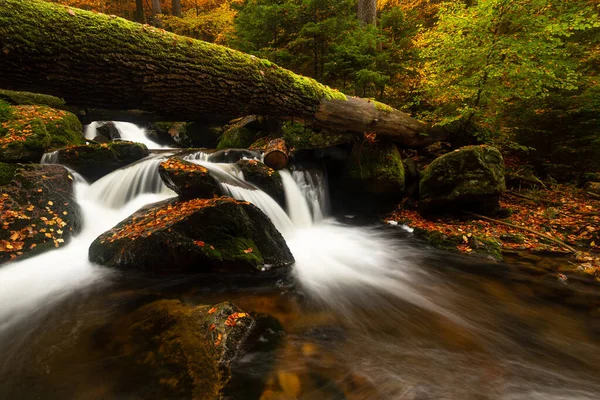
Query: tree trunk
(156, 8)
(104, 62)
(276, 154)
(367, 12)
(139, 11)
(176, 4)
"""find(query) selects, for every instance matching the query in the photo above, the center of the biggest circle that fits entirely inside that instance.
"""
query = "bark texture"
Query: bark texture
(367, 12)
(98, 61)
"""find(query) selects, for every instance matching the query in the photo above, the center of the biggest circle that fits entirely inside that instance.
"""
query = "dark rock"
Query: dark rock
(38, 209)
(169, 133)
(411, 174)
(108, 130)
(232, 155)
(467, 179)
(199, 235)
(203, 135)
(188, 180)
(168, 350)
(375, 168)
(242, 133)
(263, 177)
(28, 131)
(93, 161)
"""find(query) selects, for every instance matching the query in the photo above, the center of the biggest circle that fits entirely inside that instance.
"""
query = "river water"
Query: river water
(369, 312)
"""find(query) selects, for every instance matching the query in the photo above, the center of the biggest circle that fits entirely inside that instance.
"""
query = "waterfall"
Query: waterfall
(121, 186)
(295, 201)
(128, 131)
(313, 185)
(50, 158)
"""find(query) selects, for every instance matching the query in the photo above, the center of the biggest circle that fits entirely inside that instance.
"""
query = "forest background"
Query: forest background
(519, 74)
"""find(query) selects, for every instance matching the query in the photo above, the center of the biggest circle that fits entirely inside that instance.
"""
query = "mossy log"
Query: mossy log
(276, 154)
(101, 61)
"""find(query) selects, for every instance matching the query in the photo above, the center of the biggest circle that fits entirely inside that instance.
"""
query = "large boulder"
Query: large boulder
(169, 350)
(263, 177)
(93, 161)
(29, 131)
(31, 99)
(198, 235)
(468, 179)
(38, 209)
(374, 168)
(107, 130)
(187, 179)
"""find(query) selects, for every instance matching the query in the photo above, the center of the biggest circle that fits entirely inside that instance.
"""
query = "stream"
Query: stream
(369, 311)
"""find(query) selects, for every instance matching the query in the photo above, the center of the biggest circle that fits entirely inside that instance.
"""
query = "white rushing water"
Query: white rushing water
(128, 131)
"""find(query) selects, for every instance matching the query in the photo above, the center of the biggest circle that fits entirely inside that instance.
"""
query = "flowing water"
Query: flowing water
(370, 313)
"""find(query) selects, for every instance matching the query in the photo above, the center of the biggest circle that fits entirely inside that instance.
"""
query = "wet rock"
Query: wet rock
(468, 179)
(169, 133)
(168, 350)
(193, 236)
(38, 209)
(187, 179)
(375, 168)
(241, 134)
(93, 161)
(108, 130)
(232, 155)
(29, 131)
(263, 177)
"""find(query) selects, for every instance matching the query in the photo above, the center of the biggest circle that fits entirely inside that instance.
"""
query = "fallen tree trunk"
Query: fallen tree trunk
(98, 61)
(276, 154)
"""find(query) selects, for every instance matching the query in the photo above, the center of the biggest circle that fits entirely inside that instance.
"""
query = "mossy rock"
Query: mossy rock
(237, 138)
(32, 99)
(374, 168)
(481, 247)
(193, 236)
(187, 179)
(169, 350)
(169, 133)
(468, 179)
(93, 161)
(300, 137)
(30, 131)
(38, 209)
(263, 177)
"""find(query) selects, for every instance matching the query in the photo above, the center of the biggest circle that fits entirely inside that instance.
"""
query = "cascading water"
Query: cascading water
(121, 186)
(395, 320)
(128, 132)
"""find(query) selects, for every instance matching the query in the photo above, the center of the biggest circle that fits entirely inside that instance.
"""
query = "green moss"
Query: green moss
(5, 112)
(382, 107)
(7, 173)
(28, 98)
(237, 138)
(377, 167)
(240, 249)
(481, 246)
(300, 137)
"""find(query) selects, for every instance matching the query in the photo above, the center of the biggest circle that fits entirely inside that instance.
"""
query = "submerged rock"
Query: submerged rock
(470, 179)
(169, 350)
(187, 179)
(263, 177)
(38, 209)
(29, 131)
(199, 235)
(93, 161)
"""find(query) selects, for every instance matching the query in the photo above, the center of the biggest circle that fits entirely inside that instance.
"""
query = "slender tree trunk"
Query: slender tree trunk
(98, 61)
(156, 8)
(367, 12)
(176, 4)
(139, 11)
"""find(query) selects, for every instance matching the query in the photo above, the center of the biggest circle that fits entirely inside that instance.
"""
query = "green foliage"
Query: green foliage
(212, 26)
(480, 60)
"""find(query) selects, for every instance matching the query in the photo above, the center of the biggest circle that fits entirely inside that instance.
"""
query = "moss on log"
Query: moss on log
(101, 61)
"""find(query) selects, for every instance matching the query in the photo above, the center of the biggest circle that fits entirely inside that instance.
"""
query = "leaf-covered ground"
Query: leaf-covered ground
(561, 212)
